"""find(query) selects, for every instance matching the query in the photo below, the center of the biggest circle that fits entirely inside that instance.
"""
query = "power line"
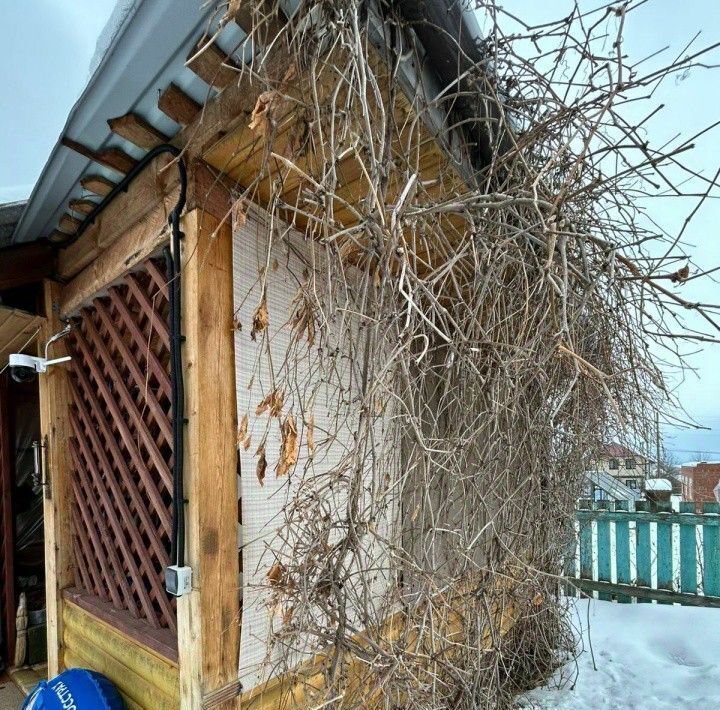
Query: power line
(699, 450)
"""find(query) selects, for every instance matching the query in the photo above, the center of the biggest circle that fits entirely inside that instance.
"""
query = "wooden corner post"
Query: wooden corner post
(55, 430)
(208, 617)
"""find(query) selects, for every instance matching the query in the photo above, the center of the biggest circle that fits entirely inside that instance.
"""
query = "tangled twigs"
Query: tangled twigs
(465, 334)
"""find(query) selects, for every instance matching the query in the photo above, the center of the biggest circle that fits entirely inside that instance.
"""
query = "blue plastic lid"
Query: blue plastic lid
(75, 689)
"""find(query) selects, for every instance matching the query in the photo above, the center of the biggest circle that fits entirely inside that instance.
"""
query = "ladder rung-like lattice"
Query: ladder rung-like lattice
(122, 446)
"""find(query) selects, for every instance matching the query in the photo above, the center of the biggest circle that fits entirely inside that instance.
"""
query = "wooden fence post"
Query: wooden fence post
(209, 617)
(55, 430)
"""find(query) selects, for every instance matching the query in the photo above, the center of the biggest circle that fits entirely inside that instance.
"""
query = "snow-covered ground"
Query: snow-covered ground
(648, 656)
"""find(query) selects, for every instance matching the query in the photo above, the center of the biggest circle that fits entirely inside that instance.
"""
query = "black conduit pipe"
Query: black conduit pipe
(172, 260)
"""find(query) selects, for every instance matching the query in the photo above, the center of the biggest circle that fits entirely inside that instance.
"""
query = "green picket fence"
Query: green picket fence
(629, 550)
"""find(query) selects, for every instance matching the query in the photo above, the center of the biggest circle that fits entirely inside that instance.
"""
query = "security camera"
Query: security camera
(24, 367)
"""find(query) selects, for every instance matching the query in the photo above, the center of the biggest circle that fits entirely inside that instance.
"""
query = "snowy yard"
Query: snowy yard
(648, 656)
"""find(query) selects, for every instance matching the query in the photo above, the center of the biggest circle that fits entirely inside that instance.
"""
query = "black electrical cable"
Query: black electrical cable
(172, 260)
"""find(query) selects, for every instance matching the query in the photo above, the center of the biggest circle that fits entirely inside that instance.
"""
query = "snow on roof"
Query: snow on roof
(692, 464)
(9, 215)
(658, 484)
(121, 12)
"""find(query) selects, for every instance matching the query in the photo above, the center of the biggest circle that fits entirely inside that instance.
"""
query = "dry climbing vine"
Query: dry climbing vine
(482, 301)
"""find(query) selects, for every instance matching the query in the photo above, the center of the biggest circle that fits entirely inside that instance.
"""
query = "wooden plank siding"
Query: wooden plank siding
(145, 678)
(18, 330)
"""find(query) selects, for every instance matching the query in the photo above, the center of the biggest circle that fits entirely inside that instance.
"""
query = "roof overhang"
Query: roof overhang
(148, 53)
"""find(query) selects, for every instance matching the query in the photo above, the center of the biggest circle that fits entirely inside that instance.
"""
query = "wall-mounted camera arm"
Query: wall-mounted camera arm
(55, 337)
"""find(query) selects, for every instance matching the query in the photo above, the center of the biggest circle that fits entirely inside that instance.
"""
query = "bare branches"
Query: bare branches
(463, 339)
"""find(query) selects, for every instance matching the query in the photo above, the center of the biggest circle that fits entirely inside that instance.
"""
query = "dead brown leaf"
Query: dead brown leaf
(681, 274)
(311, 434)
(273, 402)
(262, 115)
(242, 430)
(260, 319)
(290, 447)
(275, 574)
(261, 467)
(239, 214)
(303, 319)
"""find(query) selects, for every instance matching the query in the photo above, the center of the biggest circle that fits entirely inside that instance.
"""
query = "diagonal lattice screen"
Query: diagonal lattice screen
(122, 446)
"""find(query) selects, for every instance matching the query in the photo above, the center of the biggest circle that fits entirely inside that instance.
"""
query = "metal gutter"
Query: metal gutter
(443, 27)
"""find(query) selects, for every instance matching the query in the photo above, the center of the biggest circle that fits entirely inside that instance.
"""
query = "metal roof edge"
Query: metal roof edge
(169, 24)
(77, 106)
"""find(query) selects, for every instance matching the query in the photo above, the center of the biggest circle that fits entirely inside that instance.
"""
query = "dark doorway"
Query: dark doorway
(22, 556)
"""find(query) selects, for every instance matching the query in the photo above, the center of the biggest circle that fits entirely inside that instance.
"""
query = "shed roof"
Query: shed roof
(148, 45)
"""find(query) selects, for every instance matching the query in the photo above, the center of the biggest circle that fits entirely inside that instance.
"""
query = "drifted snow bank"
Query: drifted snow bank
(648, 656)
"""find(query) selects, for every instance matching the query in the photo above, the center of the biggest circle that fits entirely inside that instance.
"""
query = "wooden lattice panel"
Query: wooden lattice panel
(122, 446)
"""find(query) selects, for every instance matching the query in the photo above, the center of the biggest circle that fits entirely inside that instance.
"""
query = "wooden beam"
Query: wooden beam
(58, 237)
(55, 431)
(23, 264)
(144, 238)
(82, 206)
(631, 590)
(208, 64)
(178, 106)
(237, 100)
(97, 184)
(209, 191)
(264, 18)
(112, 158)
(68, 224)
(209, 617)
(152, 187)
(138, 672)
(137, 130)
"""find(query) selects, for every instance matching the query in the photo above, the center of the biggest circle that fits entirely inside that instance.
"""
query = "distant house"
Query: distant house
(701, 481)
(629, 467)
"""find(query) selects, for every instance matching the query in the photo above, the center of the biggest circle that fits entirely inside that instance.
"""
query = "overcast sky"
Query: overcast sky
(49, 44)
(691, 102)
(47, 47)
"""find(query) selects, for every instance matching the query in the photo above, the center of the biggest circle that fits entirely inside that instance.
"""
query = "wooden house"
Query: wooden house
(154, 270)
